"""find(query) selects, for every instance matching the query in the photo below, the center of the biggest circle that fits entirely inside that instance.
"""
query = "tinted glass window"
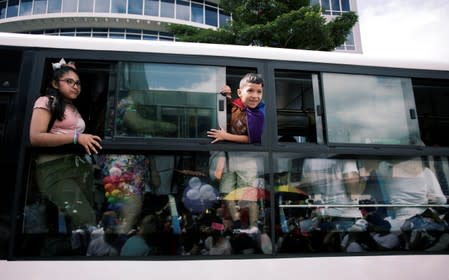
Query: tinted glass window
(167, 100)
(369, 204)
(197, 13)
(174, 200)
(85, 6)
(118, 6)
(135, 7)
(102, 6)
(69, 6)
(39, 7)
(211, 16)
(370, 109)
(167, 8)
(25, 7)
(182, 10)
(151, 7)
(54, 6)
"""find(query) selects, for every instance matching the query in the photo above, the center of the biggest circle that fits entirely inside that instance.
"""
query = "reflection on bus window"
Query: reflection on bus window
(396, 200)
(370, 110)
(295, 107)
(154, 205)
(166, 100)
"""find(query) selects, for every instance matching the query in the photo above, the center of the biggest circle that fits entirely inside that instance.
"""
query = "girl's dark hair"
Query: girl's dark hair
(56, 101)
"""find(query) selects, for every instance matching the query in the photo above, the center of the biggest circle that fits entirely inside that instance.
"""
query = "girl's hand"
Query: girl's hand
(91, 143)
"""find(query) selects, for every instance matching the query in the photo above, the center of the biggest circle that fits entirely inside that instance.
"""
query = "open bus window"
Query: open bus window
(295, 107)
(363, 109)
(432, 97)
(97, 81)
(10, 62)
(166, 100)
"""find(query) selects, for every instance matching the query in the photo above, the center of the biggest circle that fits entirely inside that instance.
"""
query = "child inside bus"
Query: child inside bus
(245, 126)
(67, 180)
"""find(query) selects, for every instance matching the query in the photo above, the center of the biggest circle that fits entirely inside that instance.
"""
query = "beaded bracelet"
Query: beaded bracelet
(75, 138)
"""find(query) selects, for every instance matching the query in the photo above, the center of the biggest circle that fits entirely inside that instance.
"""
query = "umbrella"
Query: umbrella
(248, 194)
(290, 192)
(288, 188)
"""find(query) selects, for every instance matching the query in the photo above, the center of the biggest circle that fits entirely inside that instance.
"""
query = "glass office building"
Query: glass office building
(132, 19)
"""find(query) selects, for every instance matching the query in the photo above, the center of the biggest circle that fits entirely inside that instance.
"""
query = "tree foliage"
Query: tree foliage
(284, 24)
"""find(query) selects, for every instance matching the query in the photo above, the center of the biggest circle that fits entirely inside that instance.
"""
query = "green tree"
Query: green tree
(284, 24)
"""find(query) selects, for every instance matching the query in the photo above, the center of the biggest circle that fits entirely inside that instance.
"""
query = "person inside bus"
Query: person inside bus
(407, 182)
(106, 240)
(145, 241)
(245, 126)
(334, 182)
(66, 179)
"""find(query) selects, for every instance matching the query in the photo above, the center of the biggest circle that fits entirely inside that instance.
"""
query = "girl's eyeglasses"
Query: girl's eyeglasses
(72, 82)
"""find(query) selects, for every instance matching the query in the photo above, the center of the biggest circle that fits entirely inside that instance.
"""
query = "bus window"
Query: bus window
(432, 97)
(172, 200)
(295, 107)
(166, 100)
(349, 204)
(10, 62)
(370, 110)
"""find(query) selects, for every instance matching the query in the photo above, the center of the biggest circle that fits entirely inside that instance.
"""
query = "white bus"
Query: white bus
(349, 180)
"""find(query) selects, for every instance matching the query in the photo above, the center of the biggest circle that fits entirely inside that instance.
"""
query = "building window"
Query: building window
(135, 7)
(69, 6)
(67, 32)
(224, 19)
(26, 7)
(13, 8)
(2, 9)
(182, 9)
(118, 6)
(40, 7)
(151, 7)
(85, 6)
(211, 16)
(83, 32)
(102, 6)
(100, 33)
(168, 8)
(54, 6)
(345, 6)
(133, 34)
(197, 12)
(150, 35)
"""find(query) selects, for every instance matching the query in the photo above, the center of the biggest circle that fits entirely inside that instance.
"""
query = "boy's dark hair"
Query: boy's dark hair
(56, 101)
(252, 78)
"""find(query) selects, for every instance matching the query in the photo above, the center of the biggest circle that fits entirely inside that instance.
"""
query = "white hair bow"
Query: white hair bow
(58, 65)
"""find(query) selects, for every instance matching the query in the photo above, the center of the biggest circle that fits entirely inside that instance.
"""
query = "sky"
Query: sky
(405, 29)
